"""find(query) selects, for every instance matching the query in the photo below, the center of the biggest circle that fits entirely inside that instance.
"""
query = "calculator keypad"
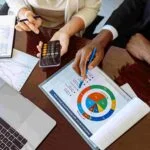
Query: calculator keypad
(50, 54)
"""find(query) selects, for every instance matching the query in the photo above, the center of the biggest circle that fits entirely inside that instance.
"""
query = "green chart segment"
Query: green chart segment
(96, 102)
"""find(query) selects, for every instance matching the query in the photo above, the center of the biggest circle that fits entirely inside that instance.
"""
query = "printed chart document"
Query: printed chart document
(7, 29)
(16, 70)
(100, 110)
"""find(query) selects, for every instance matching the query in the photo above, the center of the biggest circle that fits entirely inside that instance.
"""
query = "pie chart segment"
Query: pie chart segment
(89, 103)
(102, 103)
(94, 108)
(96, 96)
(100, 109)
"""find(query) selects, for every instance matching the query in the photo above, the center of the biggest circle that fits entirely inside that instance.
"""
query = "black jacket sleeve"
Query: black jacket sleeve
(127, 15)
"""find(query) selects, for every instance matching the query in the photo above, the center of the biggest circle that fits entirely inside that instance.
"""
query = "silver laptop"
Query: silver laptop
(23, 126)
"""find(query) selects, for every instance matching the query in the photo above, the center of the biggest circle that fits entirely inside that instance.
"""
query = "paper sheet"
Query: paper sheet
(16, 70)
(90, 106)
(7, 25)
(127, 88)
(99, 110)
(1, 82)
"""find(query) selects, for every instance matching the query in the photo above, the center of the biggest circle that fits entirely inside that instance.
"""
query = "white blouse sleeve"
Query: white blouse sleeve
(89, 12)
(16, 5)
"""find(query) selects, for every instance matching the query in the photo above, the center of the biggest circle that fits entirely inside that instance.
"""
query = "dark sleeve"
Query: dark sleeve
(127, 15)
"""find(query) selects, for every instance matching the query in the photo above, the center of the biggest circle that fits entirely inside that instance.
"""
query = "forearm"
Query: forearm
(89, 12)
(74, 26)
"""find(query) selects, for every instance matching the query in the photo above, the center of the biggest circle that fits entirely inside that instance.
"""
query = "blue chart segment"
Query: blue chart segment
(96, 103)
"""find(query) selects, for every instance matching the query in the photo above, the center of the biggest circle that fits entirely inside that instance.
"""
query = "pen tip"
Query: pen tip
(81, 82)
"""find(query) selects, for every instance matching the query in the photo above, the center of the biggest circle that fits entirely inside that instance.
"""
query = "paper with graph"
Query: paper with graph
(93, 107)
(7, 28)
(16, 70)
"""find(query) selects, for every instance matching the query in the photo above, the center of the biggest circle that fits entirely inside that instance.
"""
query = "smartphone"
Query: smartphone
(50, 54)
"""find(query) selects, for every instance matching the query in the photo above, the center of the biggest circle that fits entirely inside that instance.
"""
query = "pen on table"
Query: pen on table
(22, 20)
(89, 61)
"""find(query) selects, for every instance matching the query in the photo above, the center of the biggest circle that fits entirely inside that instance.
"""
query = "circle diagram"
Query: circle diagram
(96, 103)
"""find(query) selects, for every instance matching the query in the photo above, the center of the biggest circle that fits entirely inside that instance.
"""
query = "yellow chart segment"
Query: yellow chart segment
(100, 109)
(113, 106)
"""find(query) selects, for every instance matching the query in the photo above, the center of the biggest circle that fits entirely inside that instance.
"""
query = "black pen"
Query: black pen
(22, 20)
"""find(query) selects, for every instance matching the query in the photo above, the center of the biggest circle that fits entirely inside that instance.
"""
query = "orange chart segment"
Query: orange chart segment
(96, 96)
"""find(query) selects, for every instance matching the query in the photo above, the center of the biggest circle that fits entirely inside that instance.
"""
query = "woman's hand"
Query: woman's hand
(64, 42)
(31, 25)
(39, 47)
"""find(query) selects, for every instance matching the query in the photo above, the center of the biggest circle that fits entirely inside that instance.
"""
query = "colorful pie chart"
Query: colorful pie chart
(96, 102)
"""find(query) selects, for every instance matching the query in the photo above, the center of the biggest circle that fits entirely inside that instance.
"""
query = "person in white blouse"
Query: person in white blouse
(68, 16)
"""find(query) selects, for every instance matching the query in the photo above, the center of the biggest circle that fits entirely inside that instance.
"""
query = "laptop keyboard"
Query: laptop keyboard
(10, 139)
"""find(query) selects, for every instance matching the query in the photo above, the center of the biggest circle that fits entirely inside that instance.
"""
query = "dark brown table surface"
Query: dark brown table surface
(64, 136)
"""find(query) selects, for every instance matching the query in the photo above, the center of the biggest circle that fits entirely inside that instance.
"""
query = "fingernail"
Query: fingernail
(91, 67)
(83, 76)
(37, 31)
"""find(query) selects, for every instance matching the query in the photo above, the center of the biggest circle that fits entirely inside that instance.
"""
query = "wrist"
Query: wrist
(66, 29)
(64, 32)
(103, 38)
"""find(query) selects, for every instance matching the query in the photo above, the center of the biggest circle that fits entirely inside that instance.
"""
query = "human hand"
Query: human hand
(139, 47)
(100, 42)
(82, 57)
(64, 42)
(31, 25)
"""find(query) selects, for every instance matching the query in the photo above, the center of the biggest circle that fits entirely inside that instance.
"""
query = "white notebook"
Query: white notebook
(7, 29)
(100, 110)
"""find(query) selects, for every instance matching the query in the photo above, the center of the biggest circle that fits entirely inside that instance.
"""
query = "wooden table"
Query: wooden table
(64, 135)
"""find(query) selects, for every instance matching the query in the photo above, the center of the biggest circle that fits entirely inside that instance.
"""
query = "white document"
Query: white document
(98, 103)
(127, 88)
(7, 28)
(16, 70)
